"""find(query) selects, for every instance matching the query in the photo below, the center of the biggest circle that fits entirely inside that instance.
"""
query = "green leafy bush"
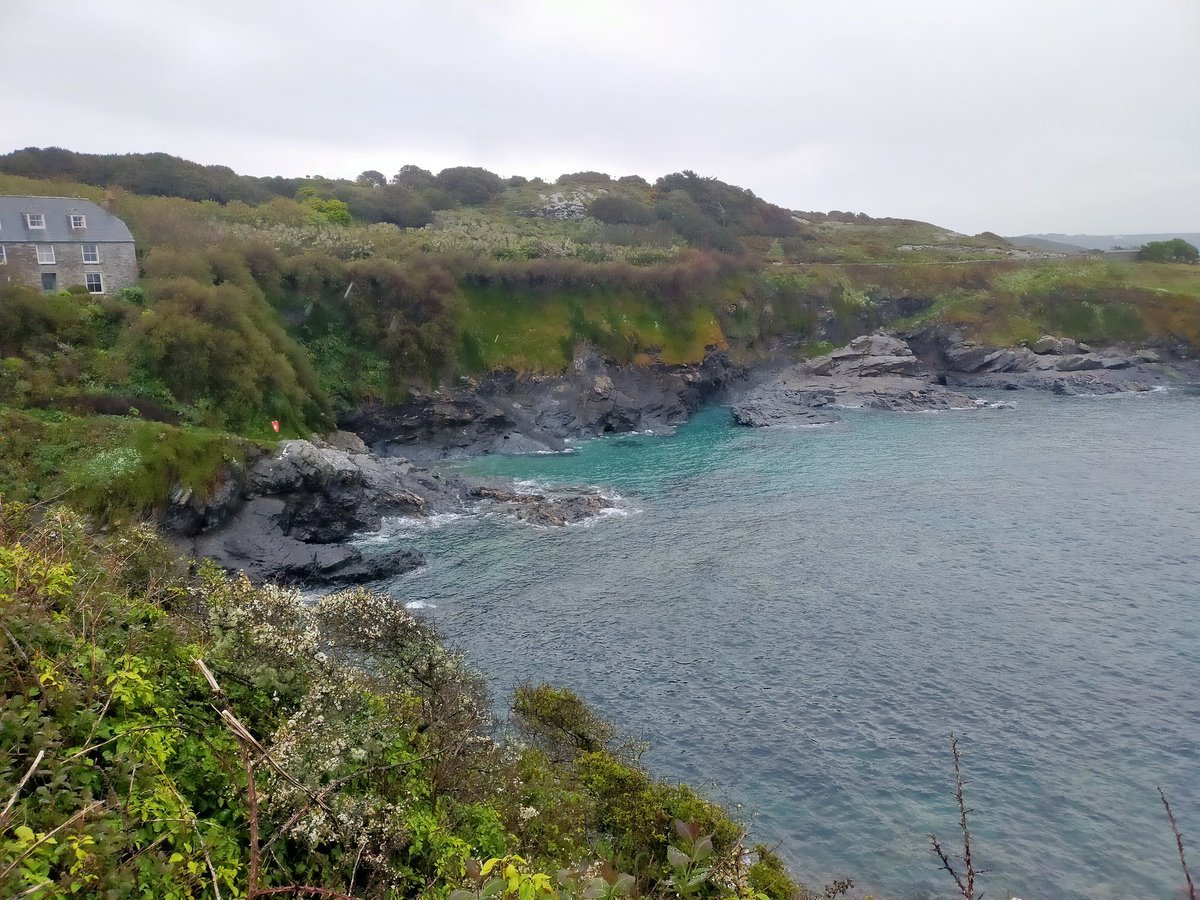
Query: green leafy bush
(169, 731)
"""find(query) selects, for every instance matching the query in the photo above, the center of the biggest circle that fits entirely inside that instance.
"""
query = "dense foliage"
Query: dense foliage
(270, 299)
(114, 468)
(337, 745)
(1175, 250)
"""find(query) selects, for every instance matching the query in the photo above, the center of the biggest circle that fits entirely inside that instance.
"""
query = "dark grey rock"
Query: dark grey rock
(507, 413)
(783, 407)
(540, 509)
(869, 356)
(187, 513)
(297, 511)
(1078, 362)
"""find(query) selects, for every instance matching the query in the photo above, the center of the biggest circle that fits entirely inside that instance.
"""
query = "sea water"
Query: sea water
(797, 619)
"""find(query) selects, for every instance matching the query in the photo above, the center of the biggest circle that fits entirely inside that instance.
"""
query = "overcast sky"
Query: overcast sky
(1007, 115)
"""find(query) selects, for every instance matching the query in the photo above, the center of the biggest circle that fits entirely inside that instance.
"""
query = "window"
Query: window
(45, 254)
(78, 221)
(3, 255)
(91, 253)
(49, 281)
(95, 284)
(35, 220)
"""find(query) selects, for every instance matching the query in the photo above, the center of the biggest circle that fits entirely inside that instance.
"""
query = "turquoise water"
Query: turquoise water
(798, 619)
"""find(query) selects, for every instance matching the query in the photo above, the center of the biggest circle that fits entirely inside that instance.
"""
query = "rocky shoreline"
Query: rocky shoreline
(292, 516)
(934, 369)
(505, 413)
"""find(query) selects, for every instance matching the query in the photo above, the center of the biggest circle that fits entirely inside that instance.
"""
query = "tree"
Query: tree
(371, 178)
(1175, 250)
(469, 185)
(413, 176)
(616, 209)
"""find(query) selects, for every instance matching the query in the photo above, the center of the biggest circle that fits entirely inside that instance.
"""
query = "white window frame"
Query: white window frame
(87, 278)
(95, 260)
(82, 221)
(43, 251)
(41, 221)
(3, 256)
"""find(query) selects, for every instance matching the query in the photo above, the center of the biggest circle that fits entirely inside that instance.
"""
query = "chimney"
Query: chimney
(109, 201)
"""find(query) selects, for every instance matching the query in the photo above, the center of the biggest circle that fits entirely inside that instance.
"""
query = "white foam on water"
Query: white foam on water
(392, 526)
(613, 512)
(1154, 389)
(420, 604)
(531, 485)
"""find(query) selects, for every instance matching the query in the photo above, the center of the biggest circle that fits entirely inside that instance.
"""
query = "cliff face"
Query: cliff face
(509, 414)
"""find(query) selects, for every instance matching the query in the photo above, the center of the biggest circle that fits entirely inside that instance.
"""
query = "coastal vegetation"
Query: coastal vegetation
(288, 299)
(167, 730)
(1175, 250)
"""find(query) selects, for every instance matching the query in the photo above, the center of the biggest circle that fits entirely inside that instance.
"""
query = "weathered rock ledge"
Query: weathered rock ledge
(876, 371)
(933, 369)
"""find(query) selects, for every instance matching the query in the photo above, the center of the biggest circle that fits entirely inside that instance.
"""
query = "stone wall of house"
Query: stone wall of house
(118, 266)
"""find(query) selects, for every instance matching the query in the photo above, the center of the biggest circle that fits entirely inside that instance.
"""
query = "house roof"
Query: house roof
(102, 226)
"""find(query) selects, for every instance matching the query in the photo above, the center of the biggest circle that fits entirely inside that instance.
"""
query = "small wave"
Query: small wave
(392, 526)
(531, 485)
(420, 604)
(979, 404)
(613, 512)
(607, 493)
(1153, 389)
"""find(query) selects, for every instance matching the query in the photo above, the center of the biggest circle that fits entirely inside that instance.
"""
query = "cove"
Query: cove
(798, 618)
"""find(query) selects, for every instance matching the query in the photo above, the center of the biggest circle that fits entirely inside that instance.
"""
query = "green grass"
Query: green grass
(537, 333)
(1089, 300)
(111, 467)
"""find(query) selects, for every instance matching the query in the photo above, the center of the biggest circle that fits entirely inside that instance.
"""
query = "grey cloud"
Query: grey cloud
(1016, 116)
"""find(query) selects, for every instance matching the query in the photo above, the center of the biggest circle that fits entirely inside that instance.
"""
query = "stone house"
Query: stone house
(53, 243)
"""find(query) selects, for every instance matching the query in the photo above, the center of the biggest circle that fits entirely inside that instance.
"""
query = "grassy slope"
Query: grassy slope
(998, 301)
(113, 467)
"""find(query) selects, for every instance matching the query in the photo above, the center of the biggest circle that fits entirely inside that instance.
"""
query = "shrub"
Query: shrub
(1175, 250)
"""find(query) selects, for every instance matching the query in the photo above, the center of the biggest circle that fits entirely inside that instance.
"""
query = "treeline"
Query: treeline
(408, 199)
(706, 212)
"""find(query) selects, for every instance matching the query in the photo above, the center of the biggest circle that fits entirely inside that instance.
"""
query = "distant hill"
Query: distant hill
(1100, 241)
(1035, 242)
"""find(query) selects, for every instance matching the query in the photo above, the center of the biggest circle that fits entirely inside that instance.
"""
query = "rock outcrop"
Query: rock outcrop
(292, 516)
(1059, 365)
(506, 413)
(870, 355)
(875, 371)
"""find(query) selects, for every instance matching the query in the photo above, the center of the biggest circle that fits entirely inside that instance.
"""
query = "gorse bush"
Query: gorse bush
(170, 731)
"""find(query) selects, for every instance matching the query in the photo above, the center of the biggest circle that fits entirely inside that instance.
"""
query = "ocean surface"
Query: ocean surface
(796, 620)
